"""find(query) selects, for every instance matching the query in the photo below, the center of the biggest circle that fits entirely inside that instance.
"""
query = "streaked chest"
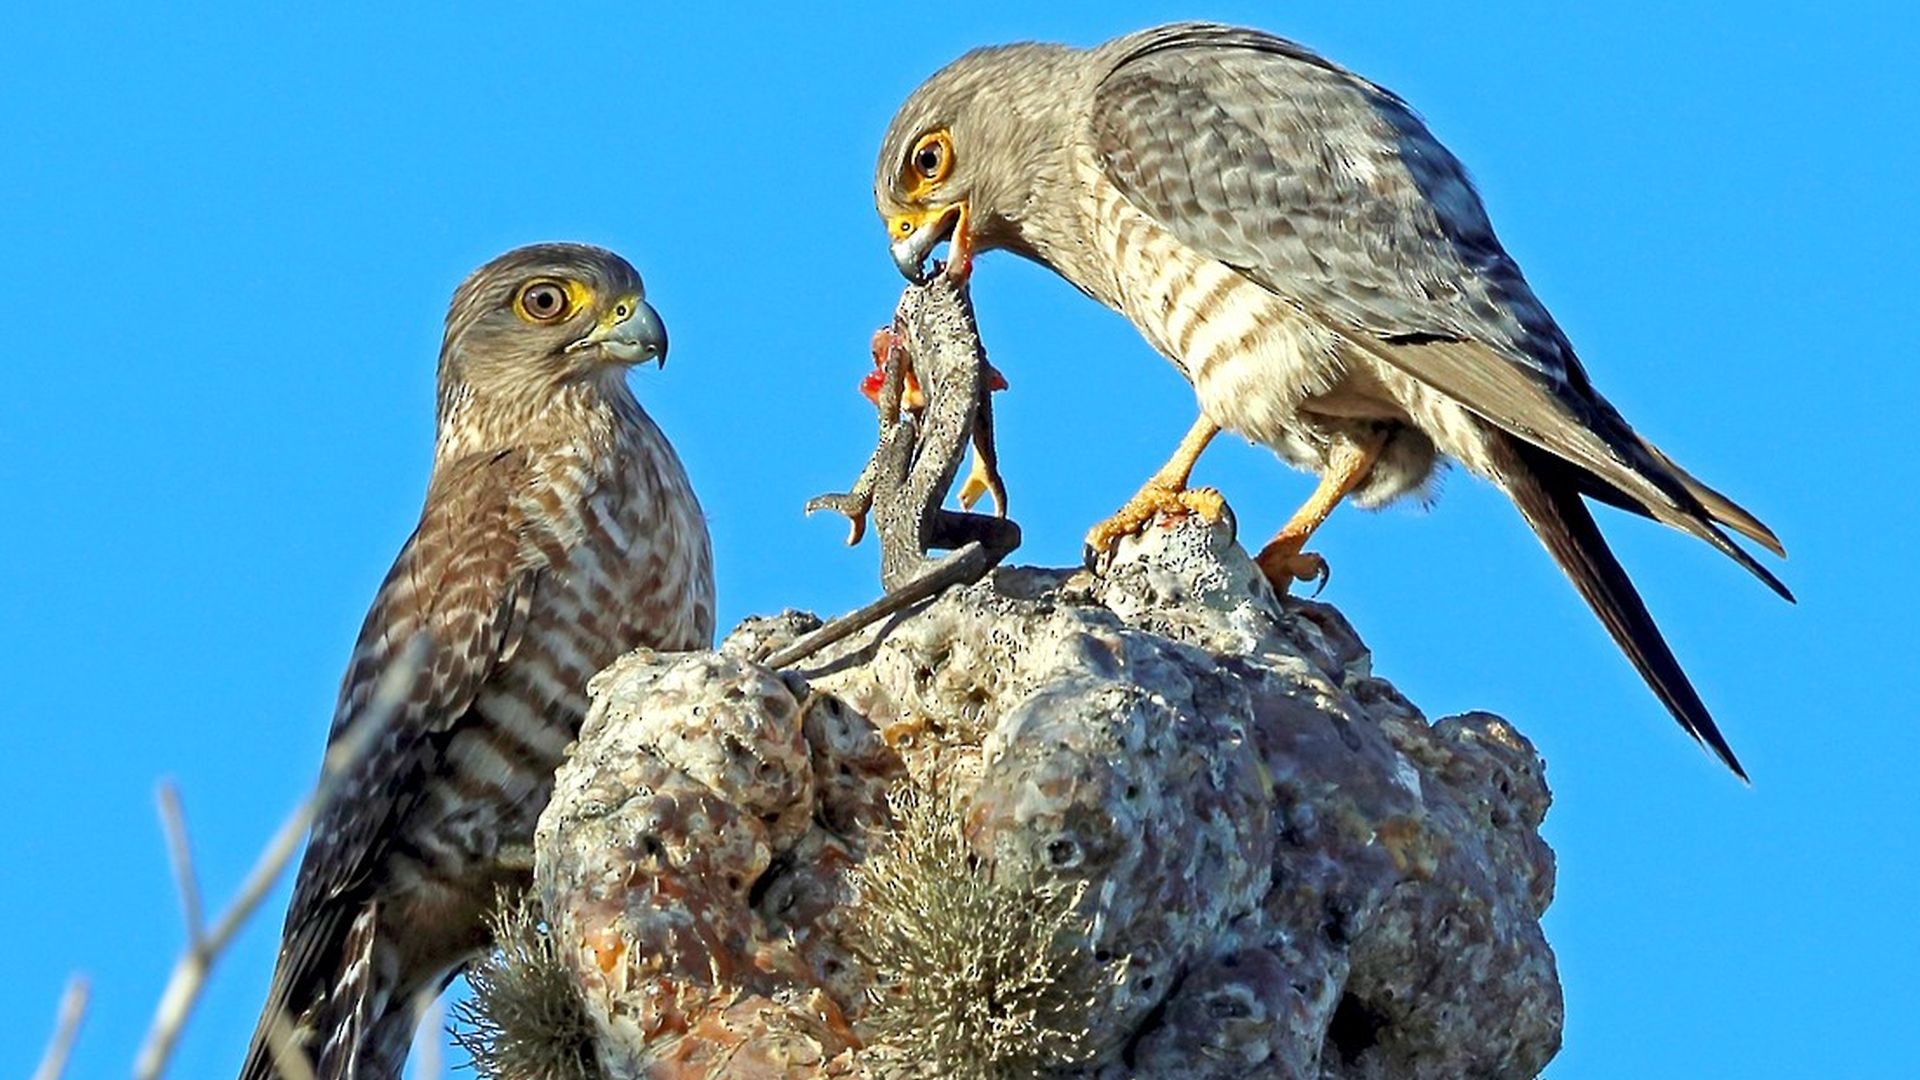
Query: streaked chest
(1252, 357)
(625, 563)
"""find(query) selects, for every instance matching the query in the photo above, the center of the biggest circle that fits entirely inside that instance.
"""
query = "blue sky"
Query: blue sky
(233, 235)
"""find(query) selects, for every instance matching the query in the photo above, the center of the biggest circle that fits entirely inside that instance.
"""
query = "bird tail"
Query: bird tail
(1690, 506)
(1549, 498)
(1718, 506)
(330, 1007)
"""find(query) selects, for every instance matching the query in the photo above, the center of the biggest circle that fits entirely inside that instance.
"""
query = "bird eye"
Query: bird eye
(932, 157)
(542, 300)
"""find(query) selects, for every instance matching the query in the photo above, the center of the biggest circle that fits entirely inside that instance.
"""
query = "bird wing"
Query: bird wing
(1329, 192)
(453, 606)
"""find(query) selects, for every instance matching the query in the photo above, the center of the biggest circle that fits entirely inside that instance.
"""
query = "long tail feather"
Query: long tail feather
(1696, 508)
(327, 996)
(1550, 501)
(1724, 510)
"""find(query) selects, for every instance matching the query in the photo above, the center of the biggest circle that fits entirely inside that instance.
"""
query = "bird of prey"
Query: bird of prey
(559, 532)
(1294, 239)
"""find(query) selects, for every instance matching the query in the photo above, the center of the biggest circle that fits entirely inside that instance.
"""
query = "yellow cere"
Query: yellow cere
(912, 221)
(620, 310)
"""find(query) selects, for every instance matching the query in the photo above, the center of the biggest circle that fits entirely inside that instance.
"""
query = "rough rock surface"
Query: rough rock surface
(1276, 866)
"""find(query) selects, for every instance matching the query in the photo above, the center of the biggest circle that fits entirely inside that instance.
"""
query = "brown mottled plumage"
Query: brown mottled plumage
(1321, 270)
(559, 531)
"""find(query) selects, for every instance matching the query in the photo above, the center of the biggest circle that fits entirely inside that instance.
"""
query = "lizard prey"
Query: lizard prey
(935, 344)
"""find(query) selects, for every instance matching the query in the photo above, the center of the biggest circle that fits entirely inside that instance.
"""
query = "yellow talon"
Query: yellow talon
(1281, 560)
(1150, 502)
(1283, 563)
(1165, 493)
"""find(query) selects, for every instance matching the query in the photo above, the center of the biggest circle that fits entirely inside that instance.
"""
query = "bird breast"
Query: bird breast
(1254, 360)
(626, 564)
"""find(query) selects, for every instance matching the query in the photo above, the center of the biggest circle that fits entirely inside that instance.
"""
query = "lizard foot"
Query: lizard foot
(981, 480)
(851, 504)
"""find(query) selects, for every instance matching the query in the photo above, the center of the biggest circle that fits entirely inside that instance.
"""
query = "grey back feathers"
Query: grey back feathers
(1293, 237)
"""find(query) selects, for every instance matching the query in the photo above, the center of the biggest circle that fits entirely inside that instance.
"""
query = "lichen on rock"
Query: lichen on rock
(973, 974)
(1232, 851)
(525, 1020)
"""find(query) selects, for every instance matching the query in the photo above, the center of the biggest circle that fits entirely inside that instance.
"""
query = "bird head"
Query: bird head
(542, 317)
(960, 160)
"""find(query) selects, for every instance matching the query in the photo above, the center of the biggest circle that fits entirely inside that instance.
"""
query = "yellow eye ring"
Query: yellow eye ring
(929, 162)
(543, 300)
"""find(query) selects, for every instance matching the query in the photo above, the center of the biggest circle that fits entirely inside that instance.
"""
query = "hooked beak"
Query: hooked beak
(916, 233)
(630, 333)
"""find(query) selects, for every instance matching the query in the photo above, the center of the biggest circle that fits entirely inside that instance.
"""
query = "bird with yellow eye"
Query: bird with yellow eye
(1319, 267)
(928, 220)
(559, 531)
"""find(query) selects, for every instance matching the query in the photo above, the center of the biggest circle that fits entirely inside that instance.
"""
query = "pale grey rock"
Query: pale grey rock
(1291, 871)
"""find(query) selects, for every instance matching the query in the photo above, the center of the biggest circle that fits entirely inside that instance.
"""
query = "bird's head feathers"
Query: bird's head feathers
(962, 156)
(545, 316)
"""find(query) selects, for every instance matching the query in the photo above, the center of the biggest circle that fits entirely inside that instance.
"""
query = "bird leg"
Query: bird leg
(1166, 492)
(1281, 560)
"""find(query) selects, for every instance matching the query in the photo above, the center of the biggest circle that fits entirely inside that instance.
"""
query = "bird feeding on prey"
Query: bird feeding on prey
(1293, 238)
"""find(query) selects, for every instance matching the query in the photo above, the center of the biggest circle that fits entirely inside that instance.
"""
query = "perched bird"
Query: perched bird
(559, 532)
(1311, 258)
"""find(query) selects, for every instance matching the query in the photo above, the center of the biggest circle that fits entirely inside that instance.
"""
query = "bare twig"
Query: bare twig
(73, 1007)
(173, 820)
(189, 977)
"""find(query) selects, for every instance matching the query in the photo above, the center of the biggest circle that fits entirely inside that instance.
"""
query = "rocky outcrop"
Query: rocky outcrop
(1149, 824)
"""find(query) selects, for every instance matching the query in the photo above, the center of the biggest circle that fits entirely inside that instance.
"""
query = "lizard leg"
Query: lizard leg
(984, 477)
(853, 504)
(1282, 560)
(1165, 492)
(981, 480)
(887, 386)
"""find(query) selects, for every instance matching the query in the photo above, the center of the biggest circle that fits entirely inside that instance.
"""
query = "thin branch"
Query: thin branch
(173, 821)
(189, 977)
(73, 1008)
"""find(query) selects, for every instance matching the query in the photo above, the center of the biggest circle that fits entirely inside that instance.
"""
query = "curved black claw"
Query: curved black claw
(1320, 579)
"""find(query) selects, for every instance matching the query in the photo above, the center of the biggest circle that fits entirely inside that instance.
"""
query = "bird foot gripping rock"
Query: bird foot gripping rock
(1153, 824)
